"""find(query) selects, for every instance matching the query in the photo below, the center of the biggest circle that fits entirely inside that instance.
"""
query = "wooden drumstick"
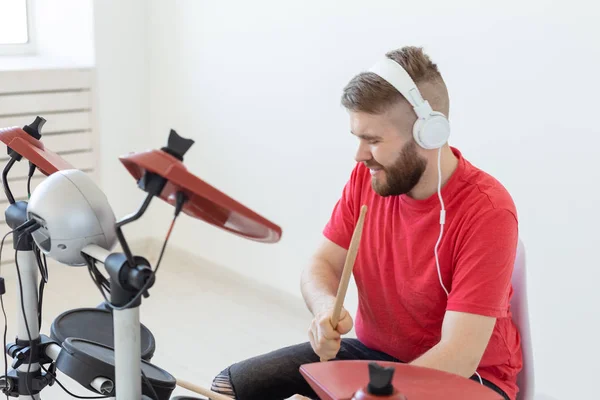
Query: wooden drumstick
(348, 266)
(200, 390)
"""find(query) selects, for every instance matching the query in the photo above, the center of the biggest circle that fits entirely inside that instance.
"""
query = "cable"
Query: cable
(7, 191)
(41, 262)
(5, 332)
(97, 275)
(69, 393)
(43, 267)
(442, 220)
(99, 280)
(480, 380)
(40, 301)
(5, 318)
(91, 263)
(1, 247)
(29, 187)
(29, 175)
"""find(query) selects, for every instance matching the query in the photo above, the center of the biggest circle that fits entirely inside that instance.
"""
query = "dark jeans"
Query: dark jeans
(276, 375)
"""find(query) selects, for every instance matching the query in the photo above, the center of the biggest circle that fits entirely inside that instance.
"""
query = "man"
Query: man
(430, 294)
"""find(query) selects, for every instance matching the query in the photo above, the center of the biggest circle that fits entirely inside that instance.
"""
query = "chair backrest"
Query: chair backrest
(520, 314)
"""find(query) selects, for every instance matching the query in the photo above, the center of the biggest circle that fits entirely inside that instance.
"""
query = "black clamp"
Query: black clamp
(22, 351)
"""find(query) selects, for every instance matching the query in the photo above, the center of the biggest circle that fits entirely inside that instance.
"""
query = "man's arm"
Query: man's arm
(480, 293)
(464, 339)
(320, 279)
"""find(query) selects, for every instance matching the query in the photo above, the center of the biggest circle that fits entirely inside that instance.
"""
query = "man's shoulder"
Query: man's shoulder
(486, 191)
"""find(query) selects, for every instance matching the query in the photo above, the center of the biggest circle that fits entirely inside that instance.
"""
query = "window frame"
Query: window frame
(28, 48)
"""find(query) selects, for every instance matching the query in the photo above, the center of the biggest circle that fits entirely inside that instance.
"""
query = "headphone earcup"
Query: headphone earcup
(433, 132)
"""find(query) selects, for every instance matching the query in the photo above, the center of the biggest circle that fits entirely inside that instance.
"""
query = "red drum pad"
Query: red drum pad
(341, 380)
(33, 150)
(204, 201)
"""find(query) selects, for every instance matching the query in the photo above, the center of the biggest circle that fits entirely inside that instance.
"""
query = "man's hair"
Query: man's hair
(367, 92)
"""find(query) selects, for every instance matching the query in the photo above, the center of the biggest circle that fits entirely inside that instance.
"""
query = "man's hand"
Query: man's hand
(325, 340)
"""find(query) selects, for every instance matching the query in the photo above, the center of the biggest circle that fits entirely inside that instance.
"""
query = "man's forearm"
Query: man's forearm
(319, 285)
(448, 357)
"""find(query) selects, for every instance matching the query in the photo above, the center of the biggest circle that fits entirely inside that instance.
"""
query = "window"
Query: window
(16, 33)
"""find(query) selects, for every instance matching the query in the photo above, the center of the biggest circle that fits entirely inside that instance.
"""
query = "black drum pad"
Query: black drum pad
(96, 325)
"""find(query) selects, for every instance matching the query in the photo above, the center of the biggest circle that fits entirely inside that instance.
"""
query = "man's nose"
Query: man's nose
(362, 153)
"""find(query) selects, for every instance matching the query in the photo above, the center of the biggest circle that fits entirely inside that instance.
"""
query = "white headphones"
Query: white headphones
(432, 129)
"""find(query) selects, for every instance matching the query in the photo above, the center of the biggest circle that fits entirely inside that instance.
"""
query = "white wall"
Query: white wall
(64, 36)
(248, 76)
(122, 107)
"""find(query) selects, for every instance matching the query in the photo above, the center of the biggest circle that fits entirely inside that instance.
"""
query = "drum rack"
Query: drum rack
(113, 365)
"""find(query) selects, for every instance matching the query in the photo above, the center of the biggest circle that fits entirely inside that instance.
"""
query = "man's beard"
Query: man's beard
(403, 175)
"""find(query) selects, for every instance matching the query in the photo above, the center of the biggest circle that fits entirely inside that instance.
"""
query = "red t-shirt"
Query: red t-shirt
(401, 302)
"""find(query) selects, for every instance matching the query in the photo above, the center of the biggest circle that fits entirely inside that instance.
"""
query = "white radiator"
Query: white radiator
(64, 97)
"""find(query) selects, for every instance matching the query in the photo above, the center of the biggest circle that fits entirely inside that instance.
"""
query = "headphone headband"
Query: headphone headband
(432, 129)
(397, 76)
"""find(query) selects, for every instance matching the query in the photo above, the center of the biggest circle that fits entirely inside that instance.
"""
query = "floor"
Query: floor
(202, 317)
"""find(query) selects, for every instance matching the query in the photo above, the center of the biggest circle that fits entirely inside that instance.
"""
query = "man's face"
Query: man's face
(388, 149)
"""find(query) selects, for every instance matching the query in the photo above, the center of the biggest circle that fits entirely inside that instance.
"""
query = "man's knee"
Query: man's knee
(222, 384)
(273, 375)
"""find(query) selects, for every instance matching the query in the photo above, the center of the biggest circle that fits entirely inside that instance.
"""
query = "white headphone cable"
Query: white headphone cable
(442, 222)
